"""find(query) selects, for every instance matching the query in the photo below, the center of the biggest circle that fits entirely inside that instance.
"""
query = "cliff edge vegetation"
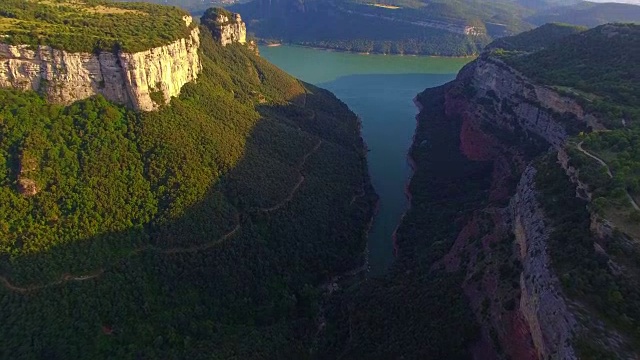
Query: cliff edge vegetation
(137, 55)
(91, 25)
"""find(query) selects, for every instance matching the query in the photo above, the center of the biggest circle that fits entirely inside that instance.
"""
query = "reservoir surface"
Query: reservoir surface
(380, 89)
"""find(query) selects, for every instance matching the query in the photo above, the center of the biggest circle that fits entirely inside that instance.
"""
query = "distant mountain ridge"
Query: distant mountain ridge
(431, 27)
(454, 28)
(536, 39)
(451, 28)
(589, 14)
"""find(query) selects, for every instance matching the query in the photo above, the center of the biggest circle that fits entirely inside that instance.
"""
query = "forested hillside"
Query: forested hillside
(536, 39)
(202, 230)
(607, 82)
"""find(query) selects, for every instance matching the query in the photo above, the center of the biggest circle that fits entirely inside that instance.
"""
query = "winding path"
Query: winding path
(64, 279)
(205, 246)
(595, 158)
(297, 186)
(631, 200)
(170, 251)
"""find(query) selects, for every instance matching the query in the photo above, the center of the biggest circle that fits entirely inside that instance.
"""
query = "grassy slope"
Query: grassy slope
(164, 209)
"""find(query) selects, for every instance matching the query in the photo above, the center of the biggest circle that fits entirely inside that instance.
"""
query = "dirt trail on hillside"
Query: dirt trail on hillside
(65, 278)
(631, 200)
(297, 186)
(170, 251)
(201, 247)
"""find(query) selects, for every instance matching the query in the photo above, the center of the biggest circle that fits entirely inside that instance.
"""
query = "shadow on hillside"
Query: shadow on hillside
(227, 236)
(263, 177)
(211, 277)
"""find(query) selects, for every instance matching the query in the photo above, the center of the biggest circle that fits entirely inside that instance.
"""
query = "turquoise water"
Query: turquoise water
(380, 89)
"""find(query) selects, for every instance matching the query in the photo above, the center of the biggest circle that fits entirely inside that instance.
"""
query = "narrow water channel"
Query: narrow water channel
(380, 89)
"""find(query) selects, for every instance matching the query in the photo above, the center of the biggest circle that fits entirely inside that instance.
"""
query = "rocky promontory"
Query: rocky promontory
(227, 27)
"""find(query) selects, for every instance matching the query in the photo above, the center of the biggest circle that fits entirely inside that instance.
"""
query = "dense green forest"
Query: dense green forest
(202, 230)
(196, 7)
(621, 151)
(90, 25)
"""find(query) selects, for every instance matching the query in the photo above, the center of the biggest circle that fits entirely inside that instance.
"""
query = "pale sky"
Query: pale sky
(634, 2)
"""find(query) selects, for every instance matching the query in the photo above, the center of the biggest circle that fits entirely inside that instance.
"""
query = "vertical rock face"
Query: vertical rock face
(163, 69)
(508, 120)
(508, 100)
(142, 81)
(230, 29)
(542, 305)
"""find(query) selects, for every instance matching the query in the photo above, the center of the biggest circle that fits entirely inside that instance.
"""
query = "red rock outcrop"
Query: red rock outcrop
(510, 284)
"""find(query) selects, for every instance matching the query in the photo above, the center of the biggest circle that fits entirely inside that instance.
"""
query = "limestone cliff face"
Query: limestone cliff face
(142, 81)
(542, 305)
(504, 98)
(508, 120)
(230, 29)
